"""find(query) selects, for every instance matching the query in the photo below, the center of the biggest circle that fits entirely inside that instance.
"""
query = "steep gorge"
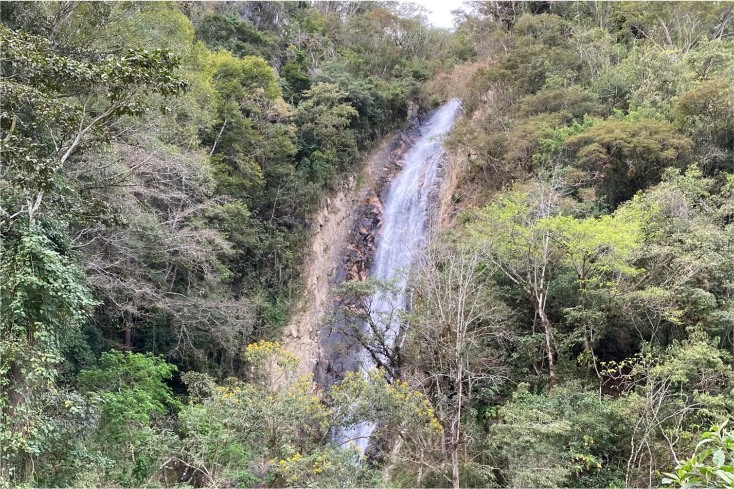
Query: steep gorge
(343, 245)
(371, 231)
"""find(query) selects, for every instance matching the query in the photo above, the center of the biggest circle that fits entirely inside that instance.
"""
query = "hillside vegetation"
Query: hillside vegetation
(161, 163)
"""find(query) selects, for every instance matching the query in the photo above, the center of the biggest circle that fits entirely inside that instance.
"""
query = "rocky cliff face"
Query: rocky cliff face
(346, 229)
(330, 225)
(362, 243)
(337, 351)
(367, 223)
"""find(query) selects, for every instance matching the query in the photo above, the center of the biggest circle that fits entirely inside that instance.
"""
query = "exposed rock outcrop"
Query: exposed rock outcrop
(346, 230)
(330, 224)
(364, 228)
(412, 110)
(363, 240)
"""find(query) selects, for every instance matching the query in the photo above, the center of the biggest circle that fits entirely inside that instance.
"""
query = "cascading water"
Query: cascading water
(406, 212)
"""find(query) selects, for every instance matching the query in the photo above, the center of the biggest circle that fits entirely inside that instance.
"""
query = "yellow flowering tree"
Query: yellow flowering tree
(326, 466)
(235, 430)
(393, 406)
(276, 430)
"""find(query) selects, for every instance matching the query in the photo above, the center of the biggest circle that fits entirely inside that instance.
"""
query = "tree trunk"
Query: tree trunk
(455, 467)
(393, 459)
(548, 331)
(456, 426)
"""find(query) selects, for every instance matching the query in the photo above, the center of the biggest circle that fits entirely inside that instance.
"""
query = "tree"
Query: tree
(44, 302)
(532, 244)
(134, 401)
(327, 143)
(685, 259)
(712, 463)
(391, 406)
(706, 112)
(601, 252)
(670, 394)
(54, 108)
(69, 104)
(676, 28)
(232, 428)
(248, 103)
(521, 248)
(238, 36)
(625, 156)
(568, 437)
(455, 327)
(373, 313)
(275, 429)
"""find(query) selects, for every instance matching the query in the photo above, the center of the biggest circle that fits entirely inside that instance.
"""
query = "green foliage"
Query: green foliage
(705, 112)
(597, 248)
(133, 399)
(395, 406)
(298, 81)
(44, 302)
(327, 466)
(623, 157)
(577, 102)
(686, 229)
(53, 104)
(323, 117)
(568, 438)
(132, 389)
(230, 429)
(56, 108)
(240, 37)
(274, 429)
(158, 203)
(619, 253)
(711, 465)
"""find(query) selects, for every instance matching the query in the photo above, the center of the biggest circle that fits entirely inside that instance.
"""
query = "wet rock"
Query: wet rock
(412, 110)
(361, 247)
(365, 227)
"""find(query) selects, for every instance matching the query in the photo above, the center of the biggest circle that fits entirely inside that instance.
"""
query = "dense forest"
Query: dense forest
(572, 325)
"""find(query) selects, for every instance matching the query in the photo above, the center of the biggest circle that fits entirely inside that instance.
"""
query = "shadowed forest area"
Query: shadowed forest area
(571, 324)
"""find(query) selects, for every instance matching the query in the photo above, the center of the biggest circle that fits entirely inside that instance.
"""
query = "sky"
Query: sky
(440, 11)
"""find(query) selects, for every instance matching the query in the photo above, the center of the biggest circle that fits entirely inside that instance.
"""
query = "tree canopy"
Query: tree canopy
(570, 324)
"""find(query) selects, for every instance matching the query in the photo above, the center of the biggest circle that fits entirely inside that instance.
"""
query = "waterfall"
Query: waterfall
(405, 228)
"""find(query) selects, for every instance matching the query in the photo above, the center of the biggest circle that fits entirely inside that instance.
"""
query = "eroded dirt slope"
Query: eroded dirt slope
(345, 229)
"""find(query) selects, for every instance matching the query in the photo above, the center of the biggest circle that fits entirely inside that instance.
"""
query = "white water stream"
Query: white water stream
(405, 228)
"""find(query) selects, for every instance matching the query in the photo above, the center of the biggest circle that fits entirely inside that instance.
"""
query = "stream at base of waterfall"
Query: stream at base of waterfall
(404, 233)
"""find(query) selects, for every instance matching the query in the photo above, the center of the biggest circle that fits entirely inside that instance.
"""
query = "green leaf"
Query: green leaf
(719, 458)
